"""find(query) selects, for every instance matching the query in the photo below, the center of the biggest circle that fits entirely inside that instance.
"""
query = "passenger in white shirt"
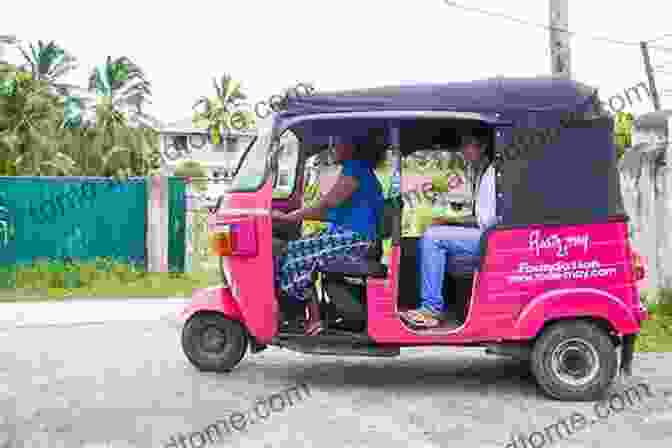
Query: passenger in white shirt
(440, 241)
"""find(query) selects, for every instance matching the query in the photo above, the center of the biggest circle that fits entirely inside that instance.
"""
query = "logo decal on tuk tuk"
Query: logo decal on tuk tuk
(567, 269)
(537, 243)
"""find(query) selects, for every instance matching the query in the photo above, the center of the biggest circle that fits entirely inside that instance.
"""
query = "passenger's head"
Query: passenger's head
(472, 148)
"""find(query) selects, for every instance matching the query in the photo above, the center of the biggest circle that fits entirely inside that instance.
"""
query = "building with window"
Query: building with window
(182, 141)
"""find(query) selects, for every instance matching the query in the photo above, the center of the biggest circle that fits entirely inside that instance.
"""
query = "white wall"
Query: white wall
(646, 184)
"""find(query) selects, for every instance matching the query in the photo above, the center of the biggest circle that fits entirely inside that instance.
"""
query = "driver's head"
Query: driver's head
(472, 148)
(369, 148)
(344, 151)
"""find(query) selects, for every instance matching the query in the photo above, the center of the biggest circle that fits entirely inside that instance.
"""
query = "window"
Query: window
(175, 147)
(252, 168)
(289, 156)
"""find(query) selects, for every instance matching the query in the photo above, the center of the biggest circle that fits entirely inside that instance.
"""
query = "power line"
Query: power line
(547, 27)
(661, 37)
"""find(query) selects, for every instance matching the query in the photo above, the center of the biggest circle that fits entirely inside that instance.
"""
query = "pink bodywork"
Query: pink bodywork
(531, 275)
(586, 272)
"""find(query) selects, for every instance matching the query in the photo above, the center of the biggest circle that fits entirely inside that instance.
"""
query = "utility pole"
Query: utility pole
(559, 22)
(649, 74)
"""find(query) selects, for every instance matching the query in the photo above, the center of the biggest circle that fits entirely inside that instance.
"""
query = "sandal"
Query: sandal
(313, 323)
(421, 318)
(314, 328)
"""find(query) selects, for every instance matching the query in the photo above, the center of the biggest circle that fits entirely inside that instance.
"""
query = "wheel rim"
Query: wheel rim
(575, 362)
(213, 340)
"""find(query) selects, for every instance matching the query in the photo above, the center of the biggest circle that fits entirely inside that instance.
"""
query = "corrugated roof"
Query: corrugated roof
(657, 119)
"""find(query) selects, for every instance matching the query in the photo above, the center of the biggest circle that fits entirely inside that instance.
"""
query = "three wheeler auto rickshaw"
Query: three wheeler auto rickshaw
(556, 282)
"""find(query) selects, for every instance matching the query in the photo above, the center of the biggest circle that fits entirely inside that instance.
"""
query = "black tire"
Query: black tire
(574, 361)
(214, 343)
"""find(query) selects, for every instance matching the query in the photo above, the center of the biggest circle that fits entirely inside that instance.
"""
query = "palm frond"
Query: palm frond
(28, 59)
(202, 100)
(61, 162)
(148, 121)
(114, 150)
(217, 88)
(62, 69)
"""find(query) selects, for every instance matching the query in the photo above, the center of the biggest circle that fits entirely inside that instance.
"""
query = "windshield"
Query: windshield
(252, 168)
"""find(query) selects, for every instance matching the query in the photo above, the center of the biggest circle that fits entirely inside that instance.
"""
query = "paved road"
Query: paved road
(127, 384)
(80, 311)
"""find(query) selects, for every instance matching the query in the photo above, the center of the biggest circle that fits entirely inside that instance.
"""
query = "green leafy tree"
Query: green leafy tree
(45, 130)
(30, 118)
(216, 113)
(31, 110)
(48, 63)
(623, 124)
(122, 140)
(194, 170)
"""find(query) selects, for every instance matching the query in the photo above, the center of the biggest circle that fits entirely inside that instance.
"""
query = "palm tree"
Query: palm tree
(31, 111)
(123, 88)
(123, 138)
(217, 111)
(30, 117)
(48, 63)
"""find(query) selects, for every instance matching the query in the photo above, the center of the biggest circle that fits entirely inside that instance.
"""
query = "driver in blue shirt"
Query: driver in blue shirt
(354, 208)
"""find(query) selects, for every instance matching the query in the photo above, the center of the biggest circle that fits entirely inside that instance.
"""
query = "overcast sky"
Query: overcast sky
(269, 45)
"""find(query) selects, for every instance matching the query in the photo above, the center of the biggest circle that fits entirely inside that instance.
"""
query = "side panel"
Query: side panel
(251, 277)
(575, 302)
(216, 298)
(530, 275)
(523, 265)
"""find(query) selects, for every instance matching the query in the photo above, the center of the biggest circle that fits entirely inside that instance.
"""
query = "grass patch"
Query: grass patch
(656, 333)
(55, 280)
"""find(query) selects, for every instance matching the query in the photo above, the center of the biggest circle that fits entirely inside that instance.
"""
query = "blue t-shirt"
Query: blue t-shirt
(362, 212)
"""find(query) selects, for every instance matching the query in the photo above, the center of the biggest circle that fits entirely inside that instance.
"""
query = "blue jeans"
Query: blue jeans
(437, 243)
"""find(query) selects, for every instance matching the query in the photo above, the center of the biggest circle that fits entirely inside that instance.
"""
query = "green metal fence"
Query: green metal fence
(78, 217)
(176, 223)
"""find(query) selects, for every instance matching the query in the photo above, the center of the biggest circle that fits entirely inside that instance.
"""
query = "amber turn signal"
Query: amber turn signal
(638, 266)
(221, 242)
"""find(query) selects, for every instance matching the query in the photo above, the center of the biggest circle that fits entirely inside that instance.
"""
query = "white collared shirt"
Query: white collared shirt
(486, 210)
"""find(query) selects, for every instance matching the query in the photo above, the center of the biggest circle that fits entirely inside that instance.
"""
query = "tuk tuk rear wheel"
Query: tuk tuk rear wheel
(574, 361)
(213, 343)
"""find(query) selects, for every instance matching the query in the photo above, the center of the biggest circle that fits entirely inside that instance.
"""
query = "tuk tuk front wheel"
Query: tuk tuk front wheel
(214, 343)
(574, 361)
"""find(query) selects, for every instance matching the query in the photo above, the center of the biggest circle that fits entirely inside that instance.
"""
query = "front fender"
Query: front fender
(573, 303)
(215, 298)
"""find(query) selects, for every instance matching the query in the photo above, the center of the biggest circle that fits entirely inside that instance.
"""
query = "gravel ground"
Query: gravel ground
(128, 384)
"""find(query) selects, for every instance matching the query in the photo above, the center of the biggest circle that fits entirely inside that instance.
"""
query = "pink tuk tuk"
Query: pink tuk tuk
(556, 283)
